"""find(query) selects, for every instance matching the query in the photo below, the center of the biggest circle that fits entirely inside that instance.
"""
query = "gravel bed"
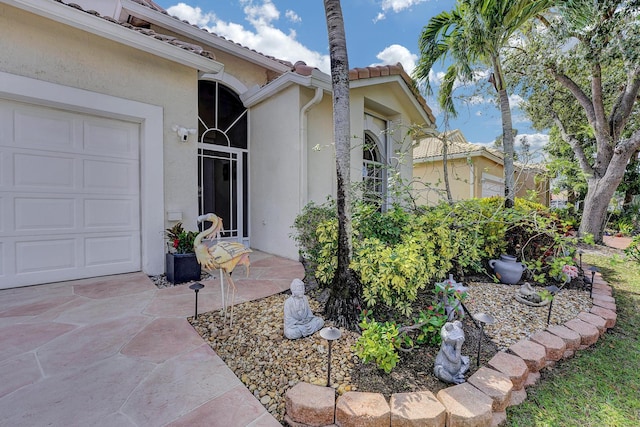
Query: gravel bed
(269, 364)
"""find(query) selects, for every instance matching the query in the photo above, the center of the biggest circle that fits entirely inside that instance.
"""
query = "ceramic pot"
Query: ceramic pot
(507, 270)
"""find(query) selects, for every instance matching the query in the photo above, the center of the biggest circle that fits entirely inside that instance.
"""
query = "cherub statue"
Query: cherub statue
(299, 321)
(450, 365)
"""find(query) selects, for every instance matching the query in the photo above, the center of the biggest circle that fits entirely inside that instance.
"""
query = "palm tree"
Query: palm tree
(474, 33)
(343, 305)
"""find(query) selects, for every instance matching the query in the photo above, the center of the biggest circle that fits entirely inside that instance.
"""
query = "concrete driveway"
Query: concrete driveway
(117, 351)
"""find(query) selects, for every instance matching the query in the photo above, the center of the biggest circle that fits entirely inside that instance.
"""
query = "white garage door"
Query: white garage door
(492, 185)
(69, 195)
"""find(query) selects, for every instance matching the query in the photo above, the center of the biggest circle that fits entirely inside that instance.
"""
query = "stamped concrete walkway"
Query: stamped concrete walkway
(117, 351)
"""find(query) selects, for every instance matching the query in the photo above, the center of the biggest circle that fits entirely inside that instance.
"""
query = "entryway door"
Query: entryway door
(69, 195)
(223, 159)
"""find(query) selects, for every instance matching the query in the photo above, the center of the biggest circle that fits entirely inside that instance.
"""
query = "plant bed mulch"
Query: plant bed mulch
(269, 364)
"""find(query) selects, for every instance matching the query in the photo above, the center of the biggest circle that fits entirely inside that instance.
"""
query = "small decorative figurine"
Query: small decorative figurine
(299, 321)
(450, 365)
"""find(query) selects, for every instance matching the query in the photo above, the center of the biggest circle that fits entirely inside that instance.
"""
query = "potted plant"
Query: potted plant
(181, 264)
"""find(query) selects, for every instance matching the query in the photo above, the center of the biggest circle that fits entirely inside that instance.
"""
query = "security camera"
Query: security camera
(183, 133)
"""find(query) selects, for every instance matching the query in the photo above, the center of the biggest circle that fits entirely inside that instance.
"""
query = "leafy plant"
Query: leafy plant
(378, 343)
(180, 240)
(431, 320)
(306, 225)
(633, 250)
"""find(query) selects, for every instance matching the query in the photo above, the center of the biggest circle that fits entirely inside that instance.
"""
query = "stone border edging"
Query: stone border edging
(479, 402)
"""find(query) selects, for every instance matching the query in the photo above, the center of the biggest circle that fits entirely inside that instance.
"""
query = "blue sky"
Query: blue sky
(379, 32)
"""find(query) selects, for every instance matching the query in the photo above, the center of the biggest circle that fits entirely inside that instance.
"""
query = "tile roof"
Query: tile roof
(391, 70)
(432, 147)
(198, 50)
(299, 67)
(303, 69)
(152, 5)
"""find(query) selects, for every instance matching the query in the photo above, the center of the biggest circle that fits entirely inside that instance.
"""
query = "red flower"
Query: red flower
(176, 242)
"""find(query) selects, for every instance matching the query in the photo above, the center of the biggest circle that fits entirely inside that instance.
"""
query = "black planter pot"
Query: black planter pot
(181, 268)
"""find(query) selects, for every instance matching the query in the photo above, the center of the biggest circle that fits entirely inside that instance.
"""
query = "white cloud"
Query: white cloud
(436, 78)
(379, 17)
(399, 5)
(396, 6)
(515, 100)
(192, 14)
(292, 16)
(264, 36)
(479, 113)
(395, 53)
(478, 100)
(536, 142)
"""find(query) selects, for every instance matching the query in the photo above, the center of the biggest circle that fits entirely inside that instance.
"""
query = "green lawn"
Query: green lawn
(601, 385)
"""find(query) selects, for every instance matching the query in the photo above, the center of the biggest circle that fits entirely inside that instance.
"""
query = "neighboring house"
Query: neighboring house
(118, 120)
(474, 171)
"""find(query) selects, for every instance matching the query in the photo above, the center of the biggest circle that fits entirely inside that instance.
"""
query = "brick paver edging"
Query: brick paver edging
(479, 402)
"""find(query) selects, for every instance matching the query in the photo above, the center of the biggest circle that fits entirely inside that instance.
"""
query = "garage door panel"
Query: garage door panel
(105, 250)
(46, 255)
(5, 172)
(69, 195)
(108, 213)
(44, 128)
(108, 137)
(110, 176)
(45, 214)
(42, 171)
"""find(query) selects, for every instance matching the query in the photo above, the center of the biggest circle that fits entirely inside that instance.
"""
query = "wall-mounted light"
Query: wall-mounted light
(183, 133)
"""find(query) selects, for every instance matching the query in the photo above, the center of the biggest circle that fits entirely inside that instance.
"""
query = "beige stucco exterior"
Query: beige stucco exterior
(473, 172)
(291, 158)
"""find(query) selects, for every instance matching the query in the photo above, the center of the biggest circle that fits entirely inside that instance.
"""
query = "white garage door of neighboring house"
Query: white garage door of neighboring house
(69, 195)
(492, 185)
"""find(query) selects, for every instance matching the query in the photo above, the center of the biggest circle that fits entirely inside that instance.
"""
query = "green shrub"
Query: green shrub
(633, 250)
(378, 343)
(305, 226)
(397, 254)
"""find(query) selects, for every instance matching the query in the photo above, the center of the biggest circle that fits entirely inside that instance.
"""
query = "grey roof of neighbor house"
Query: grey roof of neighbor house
(140, 25)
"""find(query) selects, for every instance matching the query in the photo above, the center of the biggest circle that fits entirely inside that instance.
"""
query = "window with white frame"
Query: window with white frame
(374, 161)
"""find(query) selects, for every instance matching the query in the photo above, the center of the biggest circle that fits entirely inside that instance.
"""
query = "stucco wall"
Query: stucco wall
(35, 47)
(275, 172)
(430, 186)
(321, 155)
(248, 73)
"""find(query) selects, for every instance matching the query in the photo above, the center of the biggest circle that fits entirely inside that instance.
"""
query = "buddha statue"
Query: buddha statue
(299, 321)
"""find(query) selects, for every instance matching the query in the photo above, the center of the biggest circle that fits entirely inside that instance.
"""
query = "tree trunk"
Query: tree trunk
(507, 134)
(343, 306)
(599, 193)
(594, 213)
(507, 145)
(445, 156)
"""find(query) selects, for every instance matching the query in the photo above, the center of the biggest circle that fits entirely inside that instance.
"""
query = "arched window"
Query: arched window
(374, 170)
(223, 158)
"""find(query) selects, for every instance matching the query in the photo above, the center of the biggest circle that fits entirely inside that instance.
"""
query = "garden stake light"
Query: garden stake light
(196, 287)
(553, 289)
(483, 319)
(330, 334)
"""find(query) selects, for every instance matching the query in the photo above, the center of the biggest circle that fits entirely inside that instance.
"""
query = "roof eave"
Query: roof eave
(429, 119)
(477, 153)
(257, 94)
(201, 36)
(81, 20)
